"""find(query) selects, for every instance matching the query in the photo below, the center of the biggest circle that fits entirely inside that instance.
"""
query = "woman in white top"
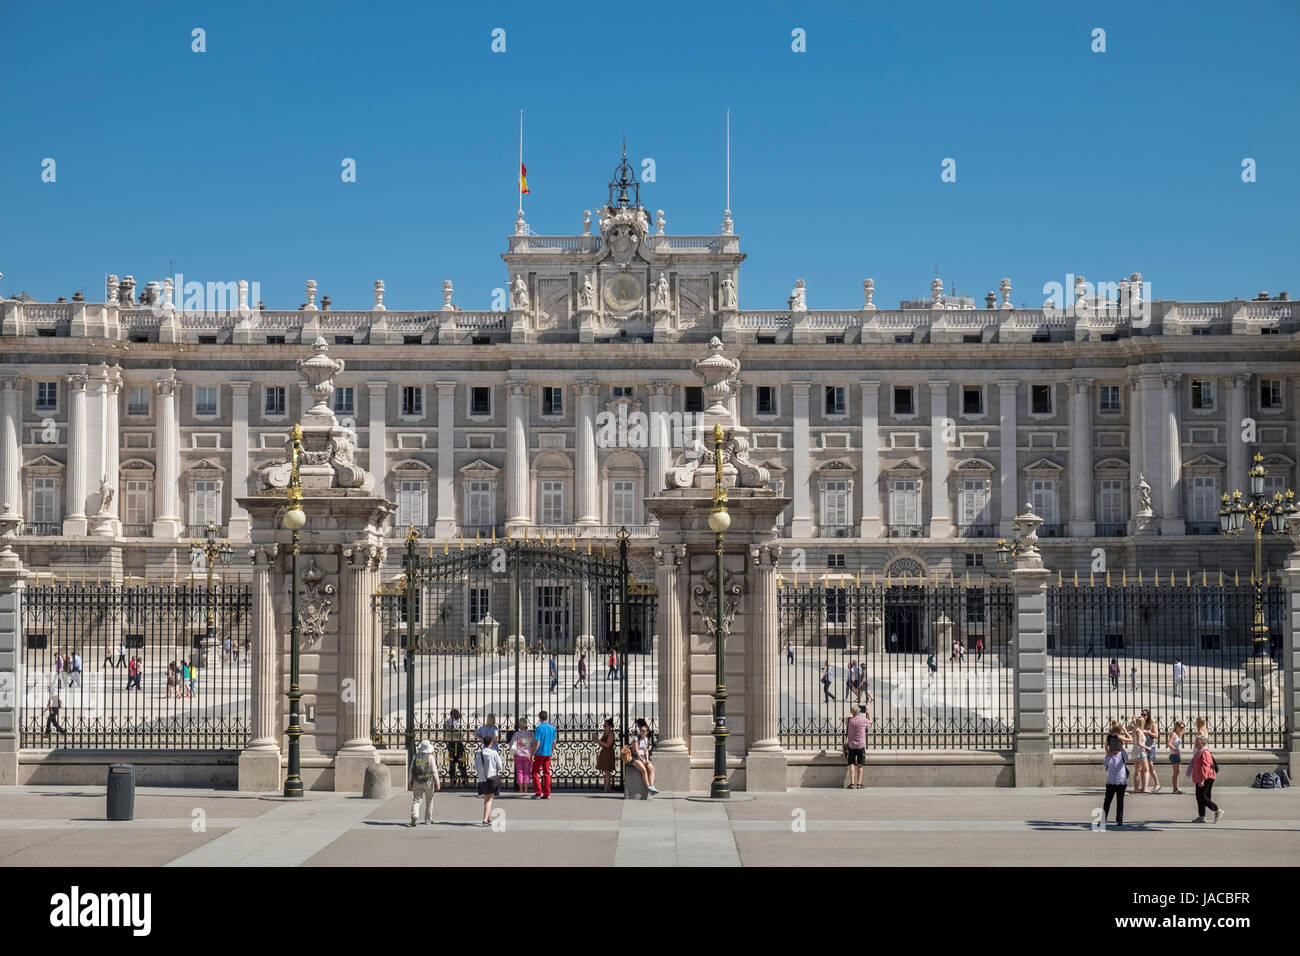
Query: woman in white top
(487, 763)
(1139, 755)
(1175, 743)
(1151, 734)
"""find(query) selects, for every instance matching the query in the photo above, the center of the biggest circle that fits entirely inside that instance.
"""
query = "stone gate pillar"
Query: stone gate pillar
(259, 763)
(1291, 651)
(357, 641)
(672, 758)
(765, 760)
(1033, 742)
(13, 579)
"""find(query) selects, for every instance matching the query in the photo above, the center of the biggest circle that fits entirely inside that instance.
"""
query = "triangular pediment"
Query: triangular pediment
(44, 462)
(478, 468)
(1044, 466)
(1204, 461)
(973, 465)
(906, 468)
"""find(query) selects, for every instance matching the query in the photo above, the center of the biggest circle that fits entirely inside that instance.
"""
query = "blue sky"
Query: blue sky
(226, 164)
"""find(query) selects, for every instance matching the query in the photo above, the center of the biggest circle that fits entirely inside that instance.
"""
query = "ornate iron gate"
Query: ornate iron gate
(500, 631)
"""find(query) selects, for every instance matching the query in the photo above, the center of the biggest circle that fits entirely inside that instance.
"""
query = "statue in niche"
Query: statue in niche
(728, 292)
(661, 294)
(519, 293)
(587, 294)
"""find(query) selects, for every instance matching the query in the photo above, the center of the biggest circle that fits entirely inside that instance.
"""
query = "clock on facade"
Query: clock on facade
(623, 292)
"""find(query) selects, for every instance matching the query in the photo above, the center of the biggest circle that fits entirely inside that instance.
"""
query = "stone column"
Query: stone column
(940, 506)
(517, 510)
(672, 759)
(11, 449)
(1291, 653)
(1008, 463)
(74, 517)
(1171, 518)
(168, 521)
(1135, 447)
(445, 523)
(801, 520)
(377, 432)
(239, 435)
(870, 525)
(1082, 522)
(1153, 438)
(259, 763)
(113, 447)
(765, 762)
(586, 496)
(357, 637)
(661, 452)
(13, 578)
(1236, 448)
(1033, 742)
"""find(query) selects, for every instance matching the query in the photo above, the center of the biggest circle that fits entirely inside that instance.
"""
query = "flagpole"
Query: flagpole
(519, 183)
(728, 204)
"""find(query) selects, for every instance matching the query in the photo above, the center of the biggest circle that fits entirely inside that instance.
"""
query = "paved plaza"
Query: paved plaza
(52, 827)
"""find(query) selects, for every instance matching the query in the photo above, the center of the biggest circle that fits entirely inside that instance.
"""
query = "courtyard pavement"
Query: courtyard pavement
(64, 826)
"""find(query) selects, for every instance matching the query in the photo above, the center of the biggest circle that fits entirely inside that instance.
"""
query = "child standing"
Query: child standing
(1116, 781)
(521, 746)
(1203, 775)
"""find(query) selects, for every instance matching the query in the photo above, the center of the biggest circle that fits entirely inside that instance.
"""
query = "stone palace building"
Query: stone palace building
(907, 439)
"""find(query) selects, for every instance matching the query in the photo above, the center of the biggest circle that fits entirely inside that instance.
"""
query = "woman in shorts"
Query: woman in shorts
(1139, 755)
(1151, 735)
(487, 763)
(855, 745)
(1175, 743)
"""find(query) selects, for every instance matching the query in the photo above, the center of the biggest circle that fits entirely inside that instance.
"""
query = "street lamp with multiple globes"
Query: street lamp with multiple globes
(1260, 512)
(211, 551)
(294, 519)
(719, 522)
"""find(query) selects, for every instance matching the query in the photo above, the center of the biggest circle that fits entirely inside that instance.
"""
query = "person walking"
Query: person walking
(392, 657)
(487, 764)
(1175, 743)
(521, 748)
(789, 653)
(611, 671)
(543, 749)
(108, 658)
(851, 680)
(121, 655)
(605, 759)
(52, 708)
(76, 668)
(1179, 673)
(582, 670)
(58, 669)
(933, 664)
(455, 747)
(1092, 647)
(855, 744)
(424, 782)
(1116, 781)
(979, 649)
(132, 668)
(828, 677)
(1203, 775)
(171, 679)
(555, 674)
(1113, 672)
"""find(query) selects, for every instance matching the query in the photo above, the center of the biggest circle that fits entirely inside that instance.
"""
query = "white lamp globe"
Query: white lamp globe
(719, 521)
(295, 518)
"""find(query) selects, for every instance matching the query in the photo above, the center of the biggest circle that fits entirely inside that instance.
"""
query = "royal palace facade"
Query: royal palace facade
(906, 439)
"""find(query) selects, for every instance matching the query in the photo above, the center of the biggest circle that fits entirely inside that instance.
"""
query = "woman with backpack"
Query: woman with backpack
(424, 782)
(1203, 774)
(487, 764)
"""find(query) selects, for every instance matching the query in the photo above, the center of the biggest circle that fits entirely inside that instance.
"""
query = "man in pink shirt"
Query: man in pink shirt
(855, 744)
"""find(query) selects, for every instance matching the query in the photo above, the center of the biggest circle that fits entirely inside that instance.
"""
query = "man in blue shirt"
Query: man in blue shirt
(543, 747)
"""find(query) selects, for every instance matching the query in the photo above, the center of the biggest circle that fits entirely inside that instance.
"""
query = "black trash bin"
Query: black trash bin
(121, 791)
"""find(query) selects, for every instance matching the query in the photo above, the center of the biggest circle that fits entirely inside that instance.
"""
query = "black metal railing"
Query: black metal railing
(1183, 650)
(975, 530)
(835, 531)
(127, 693)
(908, 531)
(200, 530)
(43, 528)
(137, 530)
(935, 661)
(1051, 531)
(1202, 527)
(1107, 529)
(508, 630)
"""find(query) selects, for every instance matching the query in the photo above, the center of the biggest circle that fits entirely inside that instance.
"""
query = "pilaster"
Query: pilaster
(1082, 523)
(377, 434)
(239, 522)
(801, 518)
(1008, 470)
(517, 510)
(586, 497)
(74, 518)
(940, 505)
(445, 523)
(870, 525)
(1171, 517)
(11, 455)
(167, 468)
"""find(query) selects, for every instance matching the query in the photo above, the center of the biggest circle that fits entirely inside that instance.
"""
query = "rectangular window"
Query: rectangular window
(1274, 485)
(275, 340)
(694, 399)
(973, 503)
(205, 400)
(1209, 609)
(835, 504)
(837, 606)
(1043, 498)
(552, 400)
(412, 339)
(410, 504)
(904, 504)
(45, 500)
(345, 400)
(835, 560)
(478, 604)
(766, 340)
(903, 400)
(623, 391)
(480, 400)
(834, 340)
(972, 401)
(1203, 394)
(136, 497)
(1205, 499)
(903, 339)
(552, 502)
(834, 400)
(1041, 399)
(345, 340)
(205, 502)
(974, 559)
(47, 396)
(137, 400)
(275, 400)
(765, 400)
(207, 340)
(480, 504)
(1110, 501)
(1270, 393)
(622, 503)
(413, 400)
(1108, 396)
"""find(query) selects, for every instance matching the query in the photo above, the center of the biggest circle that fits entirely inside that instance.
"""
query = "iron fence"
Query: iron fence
(127, 693)
(505, 631)
(1181, 650)
(935, 665)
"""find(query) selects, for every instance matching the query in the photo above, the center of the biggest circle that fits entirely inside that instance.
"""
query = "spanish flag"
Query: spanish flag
(523, 179)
